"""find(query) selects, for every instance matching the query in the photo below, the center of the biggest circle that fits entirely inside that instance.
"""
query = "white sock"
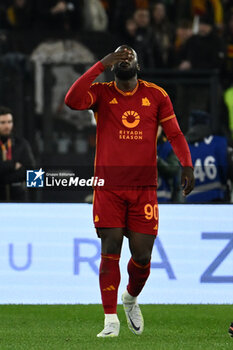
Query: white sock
(111, 318)
(129, 298)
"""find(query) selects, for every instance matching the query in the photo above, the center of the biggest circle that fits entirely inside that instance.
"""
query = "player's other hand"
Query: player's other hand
(187, 180)
(118, 56)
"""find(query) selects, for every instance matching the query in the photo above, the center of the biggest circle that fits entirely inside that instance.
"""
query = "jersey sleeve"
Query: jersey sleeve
(170, 125)
(165, 111)
(83, 94)
(178, 141)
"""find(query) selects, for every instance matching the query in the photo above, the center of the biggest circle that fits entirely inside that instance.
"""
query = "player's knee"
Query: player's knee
(142, 259)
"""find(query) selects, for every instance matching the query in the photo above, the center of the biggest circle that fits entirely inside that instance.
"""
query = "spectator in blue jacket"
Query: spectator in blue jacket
(212, 161)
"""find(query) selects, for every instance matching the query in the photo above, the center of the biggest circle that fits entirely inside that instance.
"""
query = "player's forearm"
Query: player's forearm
(178, 142)
(78, 92)
(181, 149)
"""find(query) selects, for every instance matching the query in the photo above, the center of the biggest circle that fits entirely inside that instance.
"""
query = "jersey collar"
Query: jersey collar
(129, 93)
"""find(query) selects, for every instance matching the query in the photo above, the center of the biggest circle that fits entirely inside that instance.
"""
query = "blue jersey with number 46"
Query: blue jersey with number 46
(210, 169)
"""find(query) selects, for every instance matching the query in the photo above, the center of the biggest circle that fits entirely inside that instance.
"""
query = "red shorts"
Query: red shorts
(134, 209)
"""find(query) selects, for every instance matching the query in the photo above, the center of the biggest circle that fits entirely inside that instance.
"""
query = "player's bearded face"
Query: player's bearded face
(124, 71)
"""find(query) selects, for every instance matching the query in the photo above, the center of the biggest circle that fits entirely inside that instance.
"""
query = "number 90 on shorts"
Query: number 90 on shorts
(152, 212)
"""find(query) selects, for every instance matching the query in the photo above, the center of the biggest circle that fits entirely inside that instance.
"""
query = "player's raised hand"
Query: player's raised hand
(117, 56)
(187, 180)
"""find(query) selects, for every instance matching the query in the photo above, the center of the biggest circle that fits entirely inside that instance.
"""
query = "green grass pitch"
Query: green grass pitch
(167, 327)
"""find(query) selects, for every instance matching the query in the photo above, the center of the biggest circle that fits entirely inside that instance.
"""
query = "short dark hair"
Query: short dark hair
(5, 110)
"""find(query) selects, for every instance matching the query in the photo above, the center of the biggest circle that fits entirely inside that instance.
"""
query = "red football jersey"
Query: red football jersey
(127, 124)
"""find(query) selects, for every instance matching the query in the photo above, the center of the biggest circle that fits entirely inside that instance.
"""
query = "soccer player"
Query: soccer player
(128, 112)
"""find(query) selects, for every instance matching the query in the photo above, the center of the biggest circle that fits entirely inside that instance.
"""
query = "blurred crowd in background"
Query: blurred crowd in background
(162, 32)
(46, 44)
